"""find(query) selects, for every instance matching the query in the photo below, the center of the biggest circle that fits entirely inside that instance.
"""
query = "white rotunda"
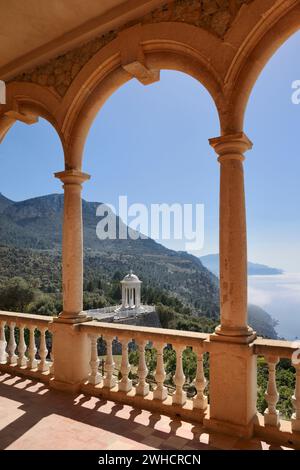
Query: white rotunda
(131, 291)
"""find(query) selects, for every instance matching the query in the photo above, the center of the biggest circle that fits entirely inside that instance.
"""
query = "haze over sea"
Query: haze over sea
(279, 295)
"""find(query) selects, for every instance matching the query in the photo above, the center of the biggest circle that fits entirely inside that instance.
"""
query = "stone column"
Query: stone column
(233, 238)
(233, 382)
(71, 347)
(72, 246)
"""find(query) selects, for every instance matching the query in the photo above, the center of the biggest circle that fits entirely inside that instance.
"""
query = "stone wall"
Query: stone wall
(215, 16)
(150, 319)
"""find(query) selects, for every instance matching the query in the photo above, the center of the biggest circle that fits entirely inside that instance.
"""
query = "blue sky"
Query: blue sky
(151, 144)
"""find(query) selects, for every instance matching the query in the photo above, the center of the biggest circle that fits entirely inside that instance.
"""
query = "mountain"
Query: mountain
(37, 224)
(4, 202)
(262, 322)
(255, 269)
(211, 262)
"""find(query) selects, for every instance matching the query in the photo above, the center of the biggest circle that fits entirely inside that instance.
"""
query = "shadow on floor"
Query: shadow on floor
(32, 416)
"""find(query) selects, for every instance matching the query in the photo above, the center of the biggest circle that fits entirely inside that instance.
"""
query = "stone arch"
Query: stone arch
(272, 32)
(26, 102)
(172, 46)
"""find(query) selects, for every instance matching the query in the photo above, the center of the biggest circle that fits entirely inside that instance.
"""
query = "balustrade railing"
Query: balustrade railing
(23, 342)
(121, 386)
(273, 351)
(26, 349)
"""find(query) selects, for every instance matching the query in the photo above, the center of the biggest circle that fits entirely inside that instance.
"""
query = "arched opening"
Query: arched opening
(31, 205)
(273, 197)
(150, 146)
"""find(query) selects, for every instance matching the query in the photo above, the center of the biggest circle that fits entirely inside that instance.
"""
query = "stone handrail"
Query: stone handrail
(25, 318)
(271, 347)
(188, 338)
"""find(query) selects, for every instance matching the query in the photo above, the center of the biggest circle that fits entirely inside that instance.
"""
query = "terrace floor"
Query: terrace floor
(32, 416)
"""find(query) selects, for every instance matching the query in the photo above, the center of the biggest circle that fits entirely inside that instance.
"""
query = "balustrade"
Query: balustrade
(24, 349)
(20, 351)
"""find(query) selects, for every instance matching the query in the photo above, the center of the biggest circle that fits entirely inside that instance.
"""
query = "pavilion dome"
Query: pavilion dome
(130, 277)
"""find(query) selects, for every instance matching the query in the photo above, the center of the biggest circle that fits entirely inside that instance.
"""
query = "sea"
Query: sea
(279, 295)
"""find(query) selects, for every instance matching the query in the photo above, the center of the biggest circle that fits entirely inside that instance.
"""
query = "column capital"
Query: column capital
(231, 146)
(72, 176)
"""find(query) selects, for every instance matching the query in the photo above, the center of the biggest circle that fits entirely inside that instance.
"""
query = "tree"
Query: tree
(45, 305)
(16, 294)
(118, 276)
(166, 315)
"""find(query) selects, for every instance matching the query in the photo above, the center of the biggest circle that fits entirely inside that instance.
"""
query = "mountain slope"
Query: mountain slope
(37, 223)
(262, 322)
(4, 202)
(30, 235)
(211, 262)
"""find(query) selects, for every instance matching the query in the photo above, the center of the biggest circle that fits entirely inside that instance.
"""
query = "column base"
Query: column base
(69, 318)
(71, 352)
(243, 335)
(64, 386)
(222, 427)
(232, 387)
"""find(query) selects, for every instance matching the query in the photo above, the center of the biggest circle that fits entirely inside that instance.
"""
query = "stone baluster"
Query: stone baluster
(22, 360)
(3, 343)
(12, 357)
(125, 383)
(43, 352)
(51, 368)
(271, 415)
(200, 400)
(109, 380)
(296, 401)
(161, 392)
(94, 376)
(32, 363)
(179, 397)
(142, 387)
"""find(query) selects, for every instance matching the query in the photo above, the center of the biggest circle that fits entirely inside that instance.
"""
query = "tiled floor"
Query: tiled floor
(34, 417)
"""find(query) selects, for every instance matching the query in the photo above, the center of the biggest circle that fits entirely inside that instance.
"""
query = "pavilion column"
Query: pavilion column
(123, 296)
(71, 347)
(233, 236)
(232, 361)
(72, 245)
